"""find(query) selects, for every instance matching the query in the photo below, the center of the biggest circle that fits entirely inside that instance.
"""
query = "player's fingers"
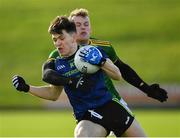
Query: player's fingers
(81, 54)
(163, 98)
(164, 93)
(16, 85)
(15, 81)
(14, 77)
(85, 51)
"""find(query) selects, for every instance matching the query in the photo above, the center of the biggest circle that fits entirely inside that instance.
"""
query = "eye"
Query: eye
(54, 39)
(78, 24)
(86, 24)
(61, 37)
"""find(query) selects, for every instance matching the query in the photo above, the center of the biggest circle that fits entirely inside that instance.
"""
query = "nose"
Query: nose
(58, 43)
(83, 27)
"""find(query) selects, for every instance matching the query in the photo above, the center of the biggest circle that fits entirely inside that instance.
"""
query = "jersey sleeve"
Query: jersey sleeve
(103, 52)
(112, 53)
(107, 47)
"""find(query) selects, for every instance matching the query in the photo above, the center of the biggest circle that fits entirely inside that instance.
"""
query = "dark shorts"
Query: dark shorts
(112, 116)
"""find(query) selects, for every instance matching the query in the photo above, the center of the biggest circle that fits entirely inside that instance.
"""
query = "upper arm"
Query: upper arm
(46, 66)
(49, 64)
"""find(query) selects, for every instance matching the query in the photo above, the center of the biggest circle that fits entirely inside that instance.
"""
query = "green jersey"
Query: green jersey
(109, 50)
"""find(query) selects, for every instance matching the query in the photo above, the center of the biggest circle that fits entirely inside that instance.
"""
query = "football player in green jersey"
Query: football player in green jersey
(82, 21)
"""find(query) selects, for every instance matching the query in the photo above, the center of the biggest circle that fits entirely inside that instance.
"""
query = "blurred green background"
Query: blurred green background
(145, 34)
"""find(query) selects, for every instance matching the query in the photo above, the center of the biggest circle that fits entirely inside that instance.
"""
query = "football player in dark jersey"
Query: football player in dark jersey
(82, 21)
(93, 103)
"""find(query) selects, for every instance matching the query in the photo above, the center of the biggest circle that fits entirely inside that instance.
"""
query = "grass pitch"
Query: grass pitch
(61, 123)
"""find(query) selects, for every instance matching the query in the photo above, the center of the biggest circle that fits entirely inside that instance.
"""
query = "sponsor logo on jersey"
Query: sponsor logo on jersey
(60, 67)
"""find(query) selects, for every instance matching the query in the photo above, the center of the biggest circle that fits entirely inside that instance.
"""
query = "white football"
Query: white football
(83, 66)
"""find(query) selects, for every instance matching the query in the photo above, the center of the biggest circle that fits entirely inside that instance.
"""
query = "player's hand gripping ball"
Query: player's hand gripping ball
(87, 59)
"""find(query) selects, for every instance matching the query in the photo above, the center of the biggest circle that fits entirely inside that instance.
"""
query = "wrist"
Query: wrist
(26, 88)
(102, 62)
(144, 87)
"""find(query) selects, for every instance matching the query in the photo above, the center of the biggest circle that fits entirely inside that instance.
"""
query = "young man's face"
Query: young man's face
(65, 43)
(83, 28)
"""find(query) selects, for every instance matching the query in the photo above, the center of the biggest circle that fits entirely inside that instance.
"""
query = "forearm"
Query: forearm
(153, 91)
(48, 92)
(131, 76)
(111, 70)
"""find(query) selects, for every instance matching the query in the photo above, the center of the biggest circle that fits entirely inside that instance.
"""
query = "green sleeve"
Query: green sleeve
(106, 46)
(110, 51)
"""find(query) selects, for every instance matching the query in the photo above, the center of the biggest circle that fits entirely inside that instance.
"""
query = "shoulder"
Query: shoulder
(97, 42)
(106, 46)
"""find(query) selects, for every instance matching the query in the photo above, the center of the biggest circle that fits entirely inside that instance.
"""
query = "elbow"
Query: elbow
(44, 76)
(55, 93)
(54, 99)
(44, 79)
(117, 78)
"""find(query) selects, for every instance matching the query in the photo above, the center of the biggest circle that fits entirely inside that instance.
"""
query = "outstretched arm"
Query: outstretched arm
(132, 77)
(48, 92)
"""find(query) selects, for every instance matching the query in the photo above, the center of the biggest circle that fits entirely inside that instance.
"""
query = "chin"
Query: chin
(83, 40)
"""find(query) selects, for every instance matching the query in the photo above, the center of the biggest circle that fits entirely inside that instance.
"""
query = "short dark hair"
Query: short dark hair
(61, 23)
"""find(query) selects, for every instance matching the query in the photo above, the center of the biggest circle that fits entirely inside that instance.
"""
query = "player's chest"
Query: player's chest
(66, 67)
